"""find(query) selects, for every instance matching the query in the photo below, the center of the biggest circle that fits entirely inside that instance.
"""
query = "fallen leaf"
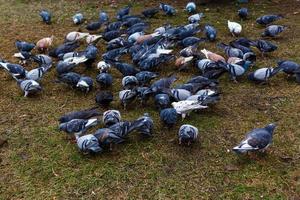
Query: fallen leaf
(231, 168)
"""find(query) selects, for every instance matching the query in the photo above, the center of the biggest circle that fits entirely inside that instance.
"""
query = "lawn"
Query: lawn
(39, 162)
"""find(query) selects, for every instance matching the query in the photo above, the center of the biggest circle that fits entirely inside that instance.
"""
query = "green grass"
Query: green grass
(41, 163)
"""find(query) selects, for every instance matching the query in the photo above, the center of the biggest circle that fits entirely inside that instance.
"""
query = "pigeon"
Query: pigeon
(203, 94)
(189, 51)
(289, 67)
(256, 140)
(24, 46)
(127, 96)
(92, 38)
(77, 126)
(103, 17)
(103, 66)
(89, 144)
(234, 28)
(104, 98)
(273, 30)
(145, 77)
(137, 28)
(168, 116)
(207, 97)
(150, 12)
(42, 59)
(108, 36)
(29, 86)
(242, 41)
(133, 21)
(15, 70)
(81, 114)
(187, 134)
(143, 38)
(78, 18)
(129, 82)
(113, 26)
(190, 7)
(231, 51)
(113, 55)
(125, 68)
(267, 19)
(104, 79)
(146, 125)
(264, 46)
(191, 87)
(107, 137)
(74, 36)
(210, 32)
(45, 43)
(64, 67)
(243, 13)
(167, 9)
(70, 78)
(205, 82)
(180, 94)
(111, 117)
(212, 56)
(163, 83)
(123, 12)
(133, 37)
(117, 43)
(162, 101)
(263, 74)
(85, 84)
(37, 73)
(206, 64)
(63, 49)
(182, 62)
(46, 16)
(118, 132)
(195, 18)
(93, 26)
(234, 60)
(183, 108)
(24, 56)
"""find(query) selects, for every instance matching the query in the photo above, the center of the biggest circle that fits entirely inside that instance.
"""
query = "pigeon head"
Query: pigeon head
(62, 126)
(271, 127)
(111, 117)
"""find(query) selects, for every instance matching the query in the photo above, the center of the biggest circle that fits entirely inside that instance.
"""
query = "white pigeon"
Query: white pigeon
(234, 28)
(185, 107)
(103, 66)
(92, 38)
(74, 36)
(195, 18)
(76, 59)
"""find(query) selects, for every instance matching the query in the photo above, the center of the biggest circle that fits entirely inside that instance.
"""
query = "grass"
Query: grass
(41, 163)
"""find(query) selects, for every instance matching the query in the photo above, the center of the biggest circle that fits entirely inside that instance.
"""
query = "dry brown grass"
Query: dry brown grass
(38, 162)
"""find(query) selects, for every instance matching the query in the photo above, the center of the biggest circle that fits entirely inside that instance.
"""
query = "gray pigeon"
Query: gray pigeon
(273, 30)
(29, 86)
(77, 126)
(257, 139)
(37, 73)
(187, 134)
